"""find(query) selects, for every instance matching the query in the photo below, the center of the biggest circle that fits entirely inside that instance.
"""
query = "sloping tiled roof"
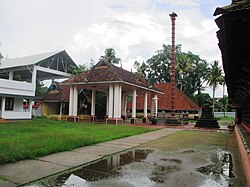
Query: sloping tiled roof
(60, 94)
(182, 102)
(104, 71)
(237, 5)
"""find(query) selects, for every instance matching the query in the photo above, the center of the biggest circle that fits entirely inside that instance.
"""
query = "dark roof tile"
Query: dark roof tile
(104, 71)
(182, 102)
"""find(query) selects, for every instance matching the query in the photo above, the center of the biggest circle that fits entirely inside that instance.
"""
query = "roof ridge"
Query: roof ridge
(52, 52)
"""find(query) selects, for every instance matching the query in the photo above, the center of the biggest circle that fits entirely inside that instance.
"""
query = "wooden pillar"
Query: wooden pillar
(30, 107)
(107, 105)
(75, 100)
(125, 105)
(61, 107)
(133, 118)
(93, 117)
(156, 105)
(71, 93)
(145, 115)
(117, 101)
(93, 103)
(122, 104)
(73, 104)
(114, 108)
(2, 107)
(111, 100)
(152, 105)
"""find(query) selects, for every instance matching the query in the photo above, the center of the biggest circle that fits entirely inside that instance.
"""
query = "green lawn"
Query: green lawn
(39, 137)
(226, 118)
(191, 139)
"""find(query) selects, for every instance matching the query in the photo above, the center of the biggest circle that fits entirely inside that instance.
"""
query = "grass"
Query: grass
(226, 118)
(41, 136)
(3, 178)
(191, 140)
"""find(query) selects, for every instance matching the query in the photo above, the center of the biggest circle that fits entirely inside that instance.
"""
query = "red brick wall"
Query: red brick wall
(244, 157)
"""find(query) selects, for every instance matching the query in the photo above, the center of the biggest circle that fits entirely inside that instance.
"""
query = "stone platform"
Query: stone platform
(207, 119)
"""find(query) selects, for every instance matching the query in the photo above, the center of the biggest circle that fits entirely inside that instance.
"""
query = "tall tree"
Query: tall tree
(75, 70)
(140, 68)
(184, 67)
(190, 69)
(214, 77)
(110, 54)
(159, 65)
(202, 98)
(41, 89)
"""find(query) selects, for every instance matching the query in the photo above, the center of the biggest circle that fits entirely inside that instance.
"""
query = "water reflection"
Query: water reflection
(221, 168)
(138, 167)
(103, 169)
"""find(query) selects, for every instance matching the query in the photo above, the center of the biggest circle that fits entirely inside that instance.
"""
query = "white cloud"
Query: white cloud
(128, 33)
(135, 29)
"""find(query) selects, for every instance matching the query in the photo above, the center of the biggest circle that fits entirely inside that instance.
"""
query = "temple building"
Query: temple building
(117, 84)
(234, 43)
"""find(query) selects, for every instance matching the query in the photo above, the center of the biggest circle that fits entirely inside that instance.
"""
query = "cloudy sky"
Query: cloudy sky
(134, 28)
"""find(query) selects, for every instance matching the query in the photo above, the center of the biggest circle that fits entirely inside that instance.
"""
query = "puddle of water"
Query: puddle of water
(106, 168)
(145, 167)
(221, 168)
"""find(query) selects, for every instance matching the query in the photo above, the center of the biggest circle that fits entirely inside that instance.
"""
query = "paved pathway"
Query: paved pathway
(26, 171)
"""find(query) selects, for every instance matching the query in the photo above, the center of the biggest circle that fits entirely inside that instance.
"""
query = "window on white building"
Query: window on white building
(9, 103)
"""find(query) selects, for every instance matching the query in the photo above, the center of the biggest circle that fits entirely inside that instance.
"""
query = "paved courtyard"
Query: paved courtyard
(166, 157)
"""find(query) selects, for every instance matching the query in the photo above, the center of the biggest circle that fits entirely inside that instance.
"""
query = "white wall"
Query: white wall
(18, 111)
(18, 105)
(221, 114)
(16, 88)
(16, 115)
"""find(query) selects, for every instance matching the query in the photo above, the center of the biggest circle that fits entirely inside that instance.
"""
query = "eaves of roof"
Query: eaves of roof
(240, 5)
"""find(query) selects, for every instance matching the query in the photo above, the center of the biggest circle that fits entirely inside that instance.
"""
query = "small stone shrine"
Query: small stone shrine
(207, 118)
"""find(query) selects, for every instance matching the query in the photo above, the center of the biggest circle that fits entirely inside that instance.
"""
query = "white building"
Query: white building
(18, 80)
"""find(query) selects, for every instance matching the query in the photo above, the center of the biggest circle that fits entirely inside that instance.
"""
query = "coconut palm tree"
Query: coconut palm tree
(110, 53)
(184, 66)
(214, 77)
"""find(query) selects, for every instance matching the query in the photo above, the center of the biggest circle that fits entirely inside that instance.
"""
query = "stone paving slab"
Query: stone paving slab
(29, 170)
(125, 142)
(99, 150)
(156, 134)
(69, 158)
(135, 140)
(111, 144)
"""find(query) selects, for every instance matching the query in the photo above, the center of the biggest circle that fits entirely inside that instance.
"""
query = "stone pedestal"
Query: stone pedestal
(92, 118)
(115, 121)
(73, 118)
(154, 121)
(173, 121)
(144, 120)
(133, 121)
(207, 119)
(124, 117)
